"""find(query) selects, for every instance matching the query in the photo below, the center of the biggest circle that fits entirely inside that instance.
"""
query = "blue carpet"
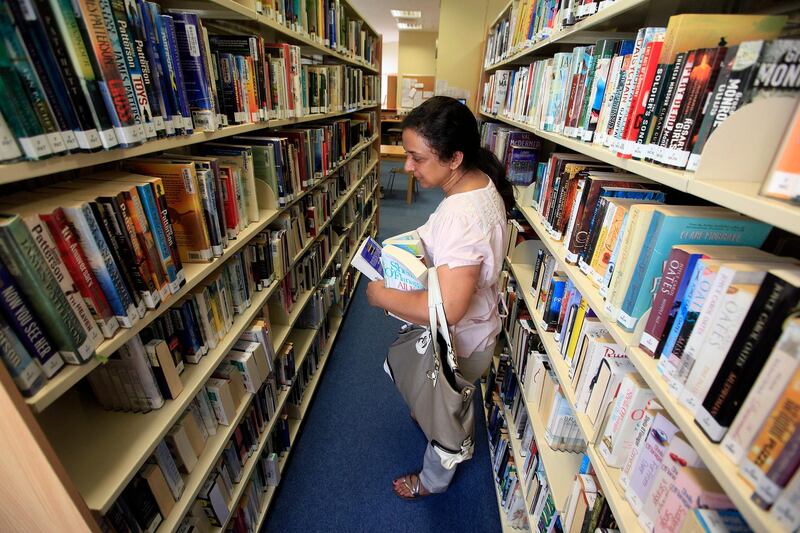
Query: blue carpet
(358, 435)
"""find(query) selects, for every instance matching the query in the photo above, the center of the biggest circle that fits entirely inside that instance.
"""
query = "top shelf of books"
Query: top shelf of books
(518, 33)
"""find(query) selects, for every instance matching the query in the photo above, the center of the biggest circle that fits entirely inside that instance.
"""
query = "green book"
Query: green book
(23, 259)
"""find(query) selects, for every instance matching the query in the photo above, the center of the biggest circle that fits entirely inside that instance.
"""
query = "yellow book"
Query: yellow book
(184, 203)
(574, 335)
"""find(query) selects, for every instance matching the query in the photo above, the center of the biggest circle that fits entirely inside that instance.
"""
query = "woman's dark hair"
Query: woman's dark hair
(448, 126)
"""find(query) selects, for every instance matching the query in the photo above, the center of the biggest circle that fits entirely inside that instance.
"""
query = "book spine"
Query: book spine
(161, 64)
(44, 241)
(149, 269)
(62, 15)
(102, 264)
(153, 216)
(34, 92)
(24, 261)
(774, 454)
(127, 128)
(149, 75)
(136, 223)
(169, 40)
(129, 261)
(44, 31)
(26, 375)
(77, 265)
(743, 362)
(27, 328)
(195, 77)
(134, 353)
(170, 469)
(767, 390)
(672, 276)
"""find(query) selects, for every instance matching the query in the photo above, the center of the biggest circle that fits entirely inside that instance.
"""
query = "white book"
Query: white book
(402, 270)
(134, 353)
(733, 309)
(601, 346)
(170, 469)
(767, 390)
(620, 431)
(642, 430)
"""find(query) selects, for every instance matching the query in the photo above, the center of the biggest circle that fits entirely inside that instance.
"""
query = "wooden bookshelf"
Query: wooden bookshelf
(725, 472)
(195, 273)
(741, 196)
(24, 170)
(625, 11)
(96, 452)
(523, 273)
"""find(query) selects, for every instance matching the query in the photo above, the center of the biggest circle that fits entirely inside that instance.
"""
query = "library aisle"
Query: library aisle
(358, 436)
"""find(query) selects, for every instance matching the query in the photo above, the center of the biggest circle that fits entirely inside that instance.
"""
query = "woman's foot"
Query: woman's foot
(409, 487)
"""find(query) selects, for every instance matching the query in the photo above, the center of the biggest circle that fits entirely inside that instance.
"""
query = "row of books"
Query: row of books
(662, 499)
(506, 472)
(747, 399)
(657, 97)
(530, 21)
(329, 22)
(103, 249)
(115, 73)
(517, 150)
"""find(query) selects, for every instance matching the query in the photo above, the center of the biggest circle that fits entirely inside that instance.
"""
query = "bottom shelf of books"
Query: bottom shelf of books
(225, 447)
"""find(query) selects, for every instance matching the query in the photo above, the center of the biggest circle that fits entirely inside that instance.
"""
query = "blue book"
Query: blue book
(694, 275)
(680, 294)
(189, 38)
(556, 294)
(162, 63)
(673, 225)
(26, 375)
(151, 211)
(170, 47)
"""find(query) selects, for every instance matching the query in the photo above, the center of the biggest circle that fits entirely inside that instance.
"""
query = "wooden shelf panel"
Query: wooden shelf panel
(723, 469)
(13, 172)
(195, 274)
(214, 447)
(114, 445)
(605, 18)
(740, 196)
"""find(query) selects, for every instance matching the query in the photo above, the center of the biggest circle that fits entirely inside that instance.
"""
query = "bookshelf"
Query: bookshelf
(94, 452)
(725, 177)
(723, 469)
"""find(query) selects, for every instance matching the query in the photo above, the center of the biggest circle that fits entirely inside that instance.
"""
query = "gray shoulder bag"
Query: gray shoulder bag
(426, 374)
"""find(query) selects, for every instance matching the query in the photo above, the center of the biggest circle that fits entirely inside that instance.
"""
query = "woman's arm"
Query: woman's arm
(456, 284)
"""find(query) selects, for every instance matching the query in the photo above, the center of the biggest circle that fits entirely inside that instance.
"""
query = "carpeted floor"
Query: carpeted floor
(358, 435)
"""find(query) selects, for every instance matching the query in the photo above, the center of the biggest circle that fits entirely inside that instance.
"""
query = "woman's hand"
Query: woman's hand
(374, 291)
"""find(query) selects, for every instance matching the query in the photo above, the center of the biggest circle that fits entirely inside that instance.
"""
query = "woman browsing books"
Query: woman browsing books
(463, 239)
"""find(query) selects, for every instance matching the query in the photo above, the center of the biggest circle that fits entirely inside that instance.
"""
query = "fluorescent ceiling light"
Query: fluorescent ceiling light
(408, 26)
(400, 14)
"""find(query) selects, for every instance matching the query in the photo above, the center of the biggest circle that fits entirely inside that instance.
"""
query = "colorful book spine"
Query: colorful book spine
(27, 328)
(188, 31)
(102, 263)
(78, 266)
(28, 267)
(154, 220)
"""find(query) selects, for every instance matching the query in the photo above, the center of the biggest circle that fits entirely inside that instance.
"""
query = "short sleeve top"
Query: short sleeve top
(467, 229)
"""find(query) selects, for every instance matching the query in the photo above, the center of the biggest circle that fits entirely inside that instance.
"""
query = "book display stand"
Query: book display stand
(68, 458)
(730, 174)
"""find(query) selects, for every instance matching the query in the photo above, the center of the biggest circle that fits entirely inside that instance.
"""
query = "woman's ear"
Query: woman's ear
(455, 162)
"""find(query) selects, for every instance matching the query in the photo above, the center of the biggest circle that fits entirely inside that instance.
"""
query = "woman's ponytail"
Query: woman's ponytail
(488, 163)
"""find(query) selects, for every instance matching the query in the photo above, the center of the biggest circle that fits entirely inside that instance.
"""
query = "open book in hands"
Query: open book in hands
(394, 262)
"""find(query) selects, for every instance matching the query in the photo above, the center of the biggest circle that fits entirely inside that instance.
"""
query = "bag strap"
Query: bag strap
(436, 311)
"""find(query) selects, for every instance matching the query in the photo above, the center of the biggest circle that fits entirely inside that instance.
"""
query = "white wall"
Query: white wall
(388, 65)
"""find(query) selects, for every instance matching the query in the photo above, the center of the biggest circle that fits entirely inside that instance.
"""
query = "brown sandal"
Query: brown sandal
(412, 483)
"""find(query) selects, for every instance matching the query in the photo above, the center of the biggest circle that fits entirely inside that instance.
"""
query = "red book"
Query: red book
(640, 94)
(229, 202)
(78, 266)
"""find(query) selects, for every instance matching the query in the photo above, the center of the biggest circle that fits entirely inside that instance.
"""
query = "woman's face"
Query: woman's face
(423, 162)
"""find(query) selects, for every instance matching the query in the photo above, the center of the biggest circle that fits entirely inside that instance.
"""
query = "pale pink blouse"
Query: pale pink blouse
(469, 229)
